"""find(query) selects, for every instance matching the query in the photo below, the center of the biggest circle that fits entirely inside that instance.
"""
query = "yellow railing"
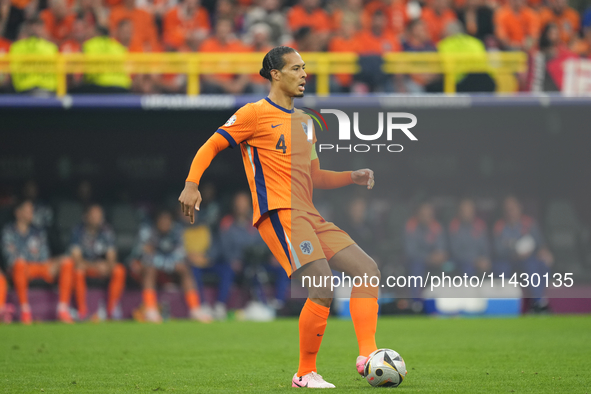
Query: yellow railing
(321, 64)
(501, 65)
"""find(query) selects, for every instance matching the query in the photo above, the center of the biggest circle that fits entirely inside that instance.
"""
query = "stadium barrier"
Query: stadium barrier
(501, 65)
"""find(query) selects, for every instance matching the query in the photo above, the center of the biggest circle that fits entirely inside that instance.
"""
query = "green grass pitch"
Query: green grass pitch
(541, 354)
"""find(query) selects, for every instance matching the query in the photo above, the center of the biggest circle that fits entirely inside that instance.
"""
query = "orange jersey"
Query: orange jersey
(514, 27)
(276, 153)
(568, 23)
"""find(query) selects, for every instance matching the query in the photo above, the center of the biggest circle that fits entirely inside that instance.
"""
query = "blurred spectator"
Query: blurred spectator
(347, 11)
(209, 210)
(437, 16)
(33, 42)
(358, 226)
(259, 39)
(394, 10)
(43, 216)
(236, 235)
(345, 41)
(13, 14)
(424, 243)
(78, 34)
(417, 40)
(477, 19)
(58, 19)
(108, 82)
(93, 13)
(268, 12)
(198, 241)
(228, 9)
(582, 46)
(373, 43)
(520, 248)
(517, 26)
(162, 251)
(547, 70)
(468, 240)
(93, 250)
(27, 256)
(225, 41)
(186, 25)
(308, 13)
(144, 34)
(377, 39)
(458, 43)
(566, 19)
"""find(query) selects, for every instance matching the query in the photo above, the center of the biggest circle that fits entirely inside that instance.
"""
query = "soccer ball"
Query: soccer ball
(384, 368)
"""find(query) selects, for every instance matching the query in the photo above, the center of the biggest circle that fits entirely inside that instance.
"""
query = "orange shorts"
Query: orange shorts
(297, 238)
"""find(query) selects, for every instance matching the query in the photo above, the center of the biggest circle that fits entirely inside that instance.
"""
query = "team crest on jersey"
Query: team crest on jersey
(305, 127)
(306, 247)
(231, 121)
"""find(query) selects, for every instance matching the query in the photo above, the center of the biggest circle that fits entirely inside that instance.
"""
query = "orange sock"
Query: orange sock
(3, 291)
(312, 325)
(364, 312)
(66, 281)
(150, 299)
(21, 281)
(81, 292)
(116, 287)
(192, 299)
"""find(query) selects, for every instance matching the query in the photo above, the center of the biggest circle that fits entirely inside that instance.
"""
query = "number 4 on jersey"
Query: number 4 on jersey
(281, 144)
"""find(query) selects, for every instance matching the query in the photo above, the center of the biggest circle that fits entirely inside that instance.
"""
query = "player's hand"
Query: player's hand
(190, 200)
(363, 177)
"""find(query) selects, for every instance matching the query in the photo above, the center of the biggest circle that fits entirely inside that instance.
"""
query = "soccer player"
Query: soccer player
(93, 250)
(282, 169)
(27, 254)
(161, 249)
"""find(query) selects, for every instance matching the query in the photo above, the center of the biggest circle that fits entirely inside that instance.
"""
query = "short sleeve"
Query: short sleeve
(241, 126)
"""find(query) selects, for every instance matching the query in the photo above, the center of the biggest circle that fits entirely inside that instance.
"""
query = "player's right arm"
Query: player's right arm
(238, 128)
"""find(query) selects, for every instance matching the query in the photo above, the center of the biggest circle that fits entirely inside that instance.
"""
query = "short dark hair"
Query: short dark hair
(273, 60)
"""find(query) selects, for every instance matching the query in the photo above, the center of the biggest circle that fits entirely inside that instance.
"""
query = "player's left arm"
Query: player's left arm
(325, 179)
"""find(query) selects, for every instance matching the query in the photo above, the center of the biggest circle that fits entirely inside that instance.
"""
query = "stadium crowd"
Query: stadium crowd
(550, 31)
(166, 248)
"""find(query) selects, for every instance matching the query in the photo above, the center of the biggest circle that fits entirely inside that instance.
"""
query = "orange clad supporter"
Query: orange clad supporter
(377, 40)
(260, 37)
(345, 41)
(350, 9)
(516, 25)
(308, 13)
(224, 40)
(145, 37)
(582, 47)
(395, 11)
(58, 19)
(436, 17)
(566, 19)
(185, 21)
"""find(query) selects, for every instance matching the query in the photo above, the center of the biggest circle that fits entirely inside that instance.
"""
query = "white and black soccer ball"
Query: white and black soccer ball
(384, 368)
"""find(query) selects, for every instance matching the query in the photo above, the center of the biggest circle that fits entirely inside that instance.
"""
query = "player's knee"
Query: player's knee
(322, 301)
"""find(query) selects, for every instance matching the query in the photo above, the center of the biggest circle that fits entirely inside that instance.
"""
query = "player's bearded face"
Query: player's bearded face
(293, 75)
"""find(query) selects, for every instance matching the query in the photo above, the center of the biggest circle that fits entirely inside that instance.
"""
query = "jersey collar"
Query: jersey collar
(289, 111)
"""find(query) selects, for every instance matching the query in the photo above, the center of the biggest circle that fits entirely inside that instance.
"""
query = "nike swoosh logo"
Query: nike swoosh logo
(319, 335)
(276, 125)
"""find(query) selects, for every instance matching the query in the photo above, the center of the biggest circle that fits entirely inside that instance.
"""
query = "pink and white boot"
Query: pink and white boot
(311, 381)
(360, 364)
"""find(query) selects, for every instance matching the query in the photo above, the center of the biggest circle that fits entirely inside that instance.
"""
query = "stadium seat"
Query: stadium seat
(125, 222)
(69, 214)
